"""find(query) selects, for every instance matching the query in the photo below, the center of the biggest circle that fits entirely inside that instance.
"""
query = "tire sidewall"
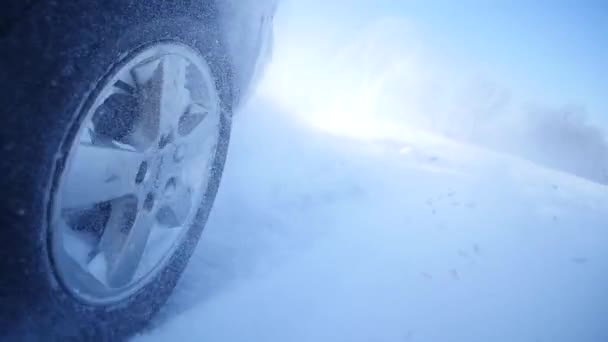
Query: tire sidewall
(40, 304)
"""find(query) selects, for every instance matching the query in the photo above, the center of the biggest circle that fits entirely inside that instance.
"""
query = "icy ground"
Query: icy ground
(316, 237)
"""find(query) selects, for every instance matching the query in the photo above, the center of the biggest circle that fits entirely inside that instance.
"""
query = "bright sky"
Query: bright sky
(551, 53)
(554, 52)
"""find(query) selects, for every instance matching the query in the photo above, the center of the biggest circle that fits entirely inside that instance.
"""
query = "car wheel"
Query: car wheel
(116, 126)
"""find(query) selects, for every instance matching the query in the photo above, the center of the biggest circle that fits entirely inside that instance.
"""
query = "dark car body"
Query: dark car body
(246, 24)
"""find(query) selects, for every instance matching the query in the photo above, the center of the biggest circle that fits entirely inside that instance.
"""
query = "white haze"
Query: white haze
(377, 191)
(376, 78)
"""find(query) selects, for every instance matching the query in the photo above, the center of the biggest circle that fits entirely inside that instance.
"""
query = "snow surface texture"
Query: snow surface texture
(319, 238)
(340, 218)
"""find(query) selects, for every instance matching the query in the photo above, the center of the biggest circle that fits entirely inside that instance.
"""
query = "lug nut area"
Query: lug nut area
(165, 140)
(170, 187)
(141, 173)
(149, 201)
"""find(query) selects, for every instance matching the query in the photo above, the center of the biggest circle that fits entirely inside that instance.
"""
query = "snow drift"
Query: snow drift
(374, 193)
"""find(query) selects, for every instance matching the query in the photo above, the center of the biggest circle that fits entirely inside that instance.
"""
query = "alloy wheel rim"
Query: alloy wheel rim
(136, 172)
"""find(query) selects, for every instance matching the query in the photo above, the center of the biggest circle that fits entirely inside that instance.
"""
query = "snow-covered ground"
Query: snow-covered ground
(338, 220)
(318, 237)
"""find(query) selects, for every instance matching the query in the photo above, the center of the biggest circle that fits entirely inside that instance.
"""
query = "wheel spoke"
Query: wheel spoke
(149, 78)
(174, 96)
(123, 250)
(164, 95)
(100, 173)
(123, 269)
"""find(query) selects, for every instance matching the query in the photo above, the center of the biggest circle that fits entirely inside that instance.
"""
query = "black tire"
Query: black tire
(50, 61)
